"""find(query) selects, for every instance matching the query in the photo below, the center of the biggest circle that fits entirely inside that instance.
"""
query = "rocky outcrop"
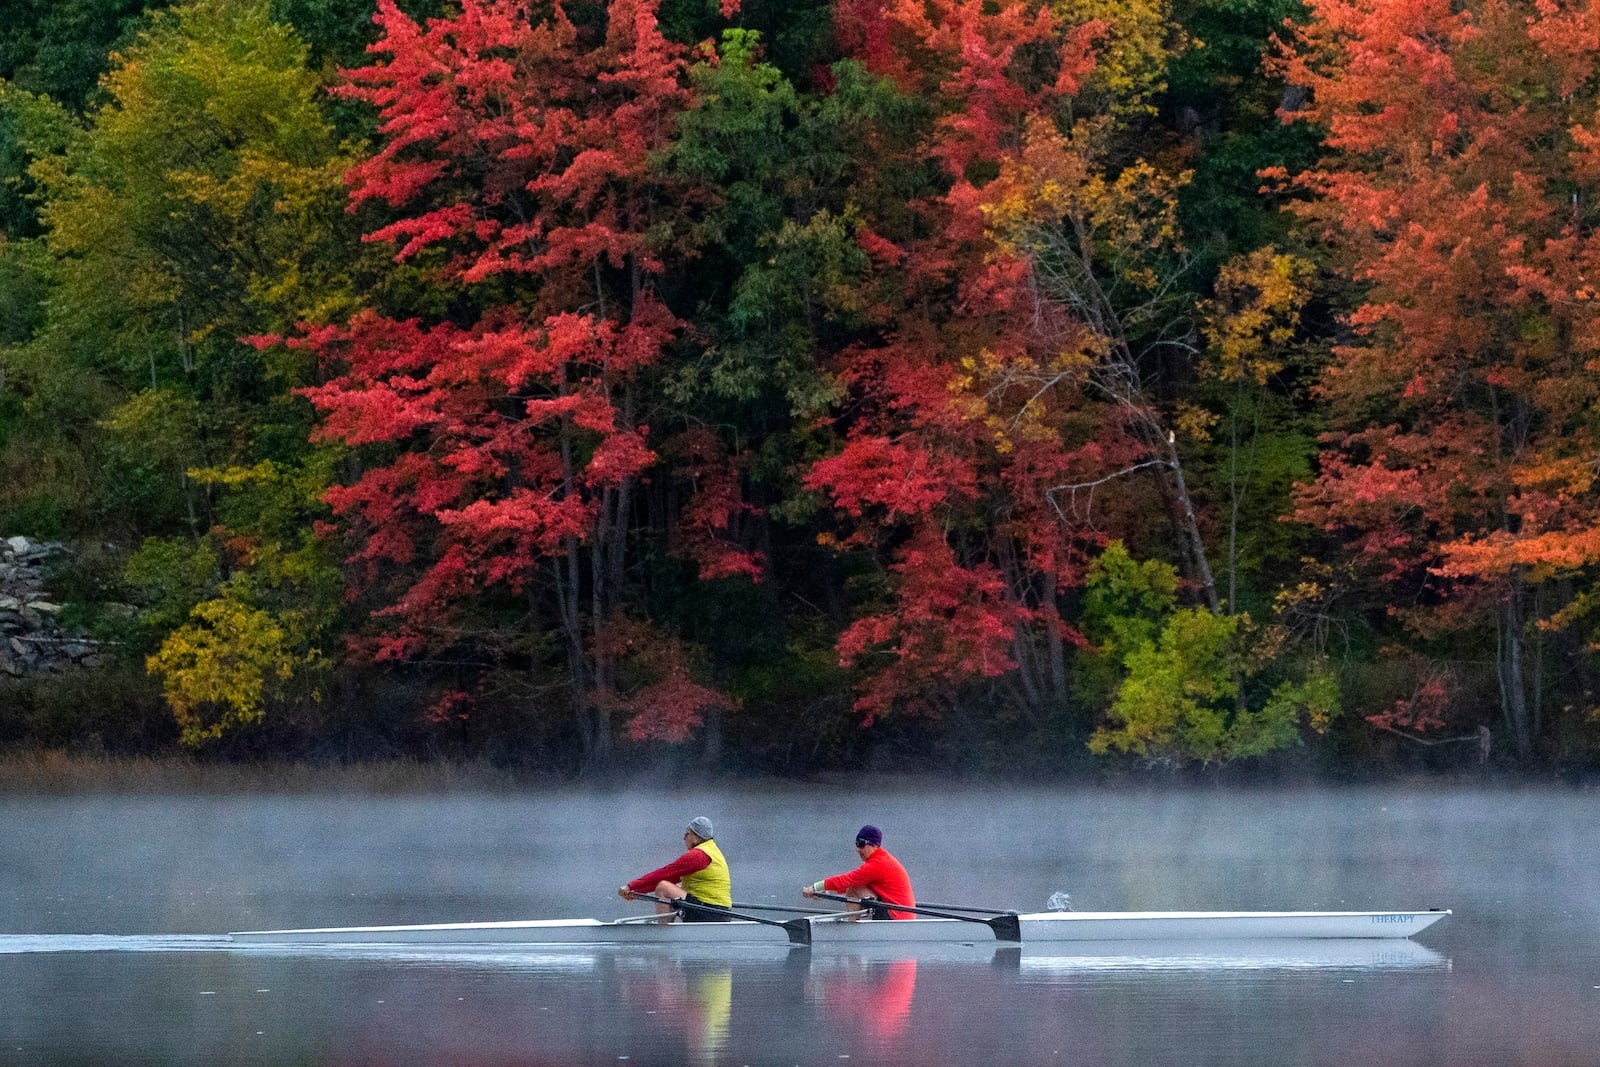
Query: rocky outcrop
(32, 640)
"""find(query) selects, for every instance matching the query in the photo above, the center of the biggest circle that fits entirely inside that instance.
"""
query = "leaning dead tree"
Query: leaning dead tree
(1106, 253)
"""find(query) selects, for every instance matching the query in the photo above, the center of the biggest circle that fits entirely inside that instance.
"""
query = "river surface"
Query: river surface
(106, 902)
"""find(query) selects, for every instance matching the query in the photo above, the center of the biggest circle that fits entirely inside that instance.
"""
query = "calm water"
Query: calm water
(101, 896)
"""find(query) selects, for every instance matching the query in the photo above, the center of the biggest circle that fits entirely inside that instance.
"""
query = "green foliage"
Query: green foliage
(782, 280)
(1183, 676)
(1221, 96)
(115, 708)
(336, 32)
(1222, 210)
(811, 273)
(154, 441)
(59, 47)
(52, 52)
(737, 136)
(278, 561)
(30, 124)
(204, 181)
(1245, 421)
(203, 203)
(168, 577)
(1125, 600)
(34, 514)
(237, 622)
(1232, 38)
(23, 287)
(798, 33)
(24, 281)
(1315, 699)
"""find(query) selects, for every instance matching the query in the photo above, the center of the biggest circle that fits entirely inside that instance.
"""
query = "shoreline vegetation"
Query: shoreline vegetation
(781, 387)
(53, 772)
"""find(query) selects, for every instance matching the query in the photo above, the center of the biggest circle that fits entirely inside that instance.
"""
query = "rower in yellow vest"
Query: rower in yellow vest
(699, 876)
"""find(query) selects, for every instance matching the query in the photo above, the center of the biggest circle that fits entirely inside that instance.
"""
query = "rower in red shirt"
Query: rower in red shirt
(879, 876)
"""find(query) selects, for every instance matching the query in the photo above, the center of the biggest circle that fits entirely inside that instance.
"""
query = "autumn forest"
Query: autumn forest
(1044, 386)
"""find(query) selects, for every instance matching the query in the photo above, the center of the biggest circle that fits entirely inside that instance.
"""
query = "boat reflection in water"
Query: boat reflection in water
(1044, 959)
(929, 1004)
(1091, 957)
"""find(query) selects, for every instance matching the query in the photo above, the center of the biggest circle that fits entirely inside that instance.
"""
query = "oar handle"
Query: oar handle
(799, 930)
(1006, 926)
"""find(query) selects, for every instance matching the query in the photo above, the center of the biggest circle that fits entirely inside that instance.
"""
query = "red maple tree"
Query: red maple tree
(500, 442)
(935, 472)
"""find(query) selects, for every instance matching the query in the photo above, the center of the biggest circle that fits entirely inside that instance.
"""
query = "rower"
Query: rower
(698, 877)
(879, 877)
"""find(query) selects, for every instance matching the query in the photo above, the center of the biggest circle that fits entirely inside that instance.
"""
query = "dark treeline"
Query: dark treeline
(793, 384)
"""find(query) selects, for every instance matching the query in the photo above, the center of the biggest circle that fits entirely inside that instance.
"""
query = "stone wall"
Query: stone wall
(32, 640)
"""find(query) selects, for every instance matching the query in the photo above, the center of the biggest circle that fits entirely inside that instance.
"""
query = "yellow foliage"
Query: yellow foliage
(1302, 593)
(1056, 198)
(218, 669)
(1141, 39)
(1255, 314)
(1195, 422)
(265, 472)
(1018, 396)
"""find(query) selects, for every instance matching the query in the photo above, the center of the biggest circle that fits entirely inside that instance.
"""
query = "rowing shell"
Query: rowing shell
(1038, 927)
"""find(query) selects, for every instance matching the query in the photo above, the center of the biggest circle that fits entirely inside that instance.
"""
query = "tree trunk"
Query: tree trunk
(593, 719)
(1510, 651)
(1058, 658)
(1195, 544)
(1175, 488)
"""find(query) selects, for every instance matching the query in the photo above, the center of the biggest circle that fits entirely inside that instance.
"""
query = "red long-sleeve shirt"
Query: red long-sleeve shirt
(691, 861)
(883, 876)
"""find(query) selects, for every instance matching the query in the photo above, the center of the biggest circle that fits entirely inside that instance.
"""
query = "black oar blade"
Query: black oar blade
(799, 931)
(1006, 927)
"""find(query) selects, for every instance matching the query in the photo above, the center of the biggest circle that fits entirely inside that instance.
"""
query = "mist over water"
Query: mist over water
(101, 899)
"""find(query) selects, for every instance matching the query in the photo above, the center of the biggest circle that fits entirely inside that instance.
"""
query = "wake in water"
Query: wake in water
(13, 943)
(1060, 900)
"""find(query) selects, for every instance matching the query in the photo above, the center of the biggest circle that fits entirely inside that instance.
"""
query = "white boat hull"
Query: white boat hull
(1041, 927)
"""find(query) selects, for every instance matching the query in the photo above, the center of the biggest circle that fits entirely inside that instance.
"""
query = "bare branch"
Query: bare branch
(1073, 489)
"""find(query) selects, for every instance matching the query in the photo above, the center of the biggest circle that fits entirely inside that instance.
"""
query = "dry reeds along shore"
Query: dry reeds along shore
(56, 772)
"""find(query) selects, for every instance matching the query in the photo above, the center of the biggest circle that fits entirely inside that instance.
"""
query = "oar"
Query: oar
(958, 907)
(797, 911)
(799, 930)
(1006, 925)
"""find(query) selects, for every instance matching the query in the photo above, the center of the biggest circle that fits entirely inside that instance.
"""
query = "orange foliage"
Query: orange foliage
(1460, 194)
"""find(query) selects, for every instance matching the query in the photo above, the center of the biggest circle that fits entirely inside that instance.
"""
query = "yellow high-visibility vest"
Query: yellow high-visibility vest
(711, 885)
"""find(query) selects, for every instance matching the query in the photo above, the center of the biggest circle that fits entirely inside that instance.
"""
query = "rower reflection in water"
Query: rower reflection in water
(872, 995)
(698, 877)
(693, 1001)
(879, 877)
